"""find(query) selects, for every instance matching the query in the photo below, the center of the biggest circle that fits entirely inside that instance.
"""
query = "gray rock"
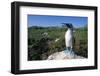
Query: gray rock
(62, 55)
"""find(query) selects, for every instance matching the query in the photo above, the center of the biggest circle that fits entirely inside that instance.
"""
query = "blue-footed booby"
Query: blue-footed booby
(69, 39)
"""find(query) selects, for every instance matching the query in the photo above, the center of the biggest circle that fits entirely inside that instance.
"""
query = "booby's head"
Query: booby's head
(68, 25)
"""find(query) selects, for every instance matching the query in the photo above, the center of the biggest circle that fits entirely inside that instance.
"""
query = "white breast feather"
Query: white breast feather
(68, 38)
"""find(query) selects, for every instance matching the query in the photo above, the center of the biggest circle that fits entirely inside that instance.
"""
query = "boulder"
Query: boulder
(64, 55)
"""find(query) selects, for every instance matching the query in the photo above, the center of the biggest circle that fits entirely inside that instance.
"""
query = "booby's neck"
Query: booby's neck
(69, 29)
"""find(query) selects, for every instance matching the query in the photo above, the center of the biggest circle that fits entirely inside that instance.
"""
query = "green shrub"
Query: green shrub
(41, 46)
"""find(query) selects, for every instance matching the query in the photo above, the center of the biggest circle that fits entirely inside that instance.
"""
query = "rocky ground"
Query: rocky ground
(62, 55)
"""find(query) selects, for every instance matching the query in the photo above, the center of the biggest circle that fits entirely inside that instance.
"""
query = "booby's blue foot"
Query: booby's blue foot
(66, 50)
(69, 53)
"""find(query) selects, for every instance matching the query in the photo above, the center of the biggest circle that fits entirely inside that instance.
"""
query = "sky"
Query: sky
(47, 20)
